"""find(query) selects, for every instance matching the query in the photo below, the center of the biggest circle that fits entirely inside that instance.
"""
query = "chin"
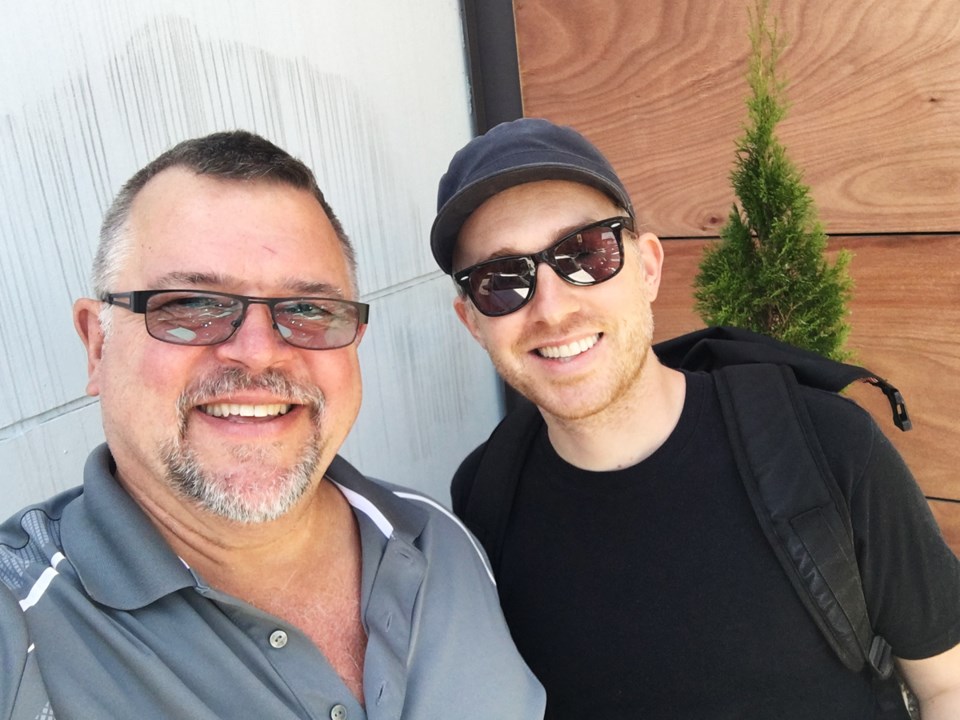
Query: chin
(266, 501)
(241, 492)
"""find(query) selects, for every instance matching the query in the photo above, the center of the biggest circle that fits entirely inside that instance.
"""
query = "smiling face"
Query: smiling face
(246, 427)
(574, 351)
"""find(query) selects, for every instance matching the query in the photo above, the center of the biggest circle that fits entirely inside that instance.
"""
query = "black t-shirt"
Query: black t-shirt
(651, 592)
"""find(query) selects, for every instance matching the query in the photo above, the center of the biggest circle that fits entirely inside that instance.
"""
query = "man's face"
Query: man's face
(247, 426)
(574, 351)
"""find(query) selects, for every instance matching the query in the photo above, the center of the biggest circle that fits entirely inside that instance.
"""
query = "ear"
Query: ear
(467, 315)
(651, 260)
(361, 331)
(86, 319)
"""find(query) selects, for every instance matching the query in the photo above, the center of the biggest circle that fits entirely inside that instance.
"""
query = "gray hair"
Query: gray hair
(233, 155)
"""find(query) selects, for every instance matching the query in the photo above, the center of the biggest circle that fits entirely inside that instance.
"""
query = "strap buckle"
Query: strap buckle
(881, 657)
(900, 417)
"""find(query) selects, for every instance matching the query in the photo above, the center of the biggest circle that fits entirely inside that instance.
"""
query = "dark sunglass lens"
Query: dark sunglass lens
(501, 286)
(317, 323)
(192, 318)
(589, 256)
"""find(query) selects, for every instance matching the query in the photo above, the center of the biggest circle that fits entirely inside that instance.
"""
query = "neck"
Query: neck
(627, 431)
(304, 567)
(229, 554)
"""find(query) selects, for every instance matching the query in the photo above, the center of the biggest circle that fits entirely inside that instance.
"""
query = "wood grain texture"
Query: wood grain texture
(948, 517)
(905, 315)
(659, 85)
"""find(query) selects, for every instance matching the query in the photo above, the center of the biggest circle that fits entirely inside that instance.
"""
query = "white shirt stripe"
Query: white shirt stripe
(441, 508)
(386, 527)
(41, 585)
(367, 508)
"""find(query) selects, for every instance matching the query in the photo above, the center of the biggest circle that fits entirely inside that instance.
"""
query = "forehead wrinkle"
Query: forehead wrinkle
(180, 278)
(225, 283)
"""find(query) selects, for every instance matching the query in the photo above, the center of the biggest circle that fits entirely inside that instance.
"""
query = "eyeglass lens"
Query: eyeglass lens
(585, 257)
(189, 318)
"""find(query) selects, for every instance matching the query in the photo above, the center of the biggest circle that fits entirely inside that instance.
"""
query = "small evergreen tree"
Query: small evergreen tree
(768, 272)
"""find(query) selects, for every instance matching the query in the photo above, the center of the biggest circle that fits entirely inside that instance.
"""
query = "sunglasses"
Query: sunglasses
(188, 317)
(587, 256)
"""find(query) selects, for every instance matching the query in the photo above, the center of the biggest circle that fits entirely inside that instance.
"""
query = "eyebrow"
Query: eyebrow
(199, 280)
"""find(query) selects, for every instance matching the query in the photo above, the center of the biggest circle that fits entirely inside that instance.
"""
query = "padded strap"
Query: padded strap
(799, 506)
(716, 347)
(490, 497)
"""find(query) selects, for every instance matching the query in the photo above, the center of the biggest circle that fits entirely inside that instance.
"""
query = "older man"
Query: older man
(220, 560)
(633, 571)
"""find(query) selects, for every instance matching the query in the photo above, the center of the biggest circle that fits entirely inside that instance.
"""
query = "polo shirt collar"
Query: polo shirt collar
(393, 516)
(121, 559)
(123, 562)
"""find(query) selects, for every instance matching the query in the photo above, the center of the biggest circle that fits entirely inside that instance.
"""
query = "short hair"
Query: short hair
(233, 155)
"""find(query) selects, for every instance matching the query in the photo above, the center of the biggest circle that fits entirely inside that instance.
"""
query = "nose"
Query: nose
(256, 344)
(554, 299)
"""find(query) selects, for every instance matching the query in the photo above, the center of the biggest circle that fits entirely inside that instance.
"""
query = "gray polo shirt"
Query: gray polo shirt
(100, 619)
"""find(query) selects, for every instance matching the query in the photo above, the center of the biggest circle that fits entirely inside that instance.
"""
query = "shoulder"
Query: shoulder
(22, 689)
(412, 515)
(31, 537)
(500, 457)
(36, 518)
(464, 477)
(853, 443)
(840, 432)
(13, 651)
(444, 536)
(832, 412)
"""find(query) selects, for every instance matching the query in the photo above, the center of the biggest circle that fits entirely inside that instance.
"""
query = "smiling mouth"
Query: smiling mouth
(562, 352)
(223, 410)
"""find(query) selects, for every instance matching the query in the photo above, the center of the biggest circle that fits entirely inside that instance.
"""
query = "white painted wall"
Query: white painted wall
(373, 95)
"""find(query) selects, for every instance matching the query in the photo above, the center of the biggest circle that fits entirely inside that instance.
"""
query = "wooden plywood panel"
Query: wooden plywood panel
(905, 314)
(948, 517)
(659, 86)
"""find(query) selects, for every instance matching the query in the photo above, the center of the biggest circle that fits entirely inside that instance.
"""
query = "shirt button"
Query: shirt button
(278, 638)
(338, 712)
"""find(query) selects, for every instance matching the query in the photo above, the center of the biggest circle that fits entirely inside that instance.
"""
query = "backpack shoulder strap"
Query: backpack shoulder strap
(717, 347)
(799, 506)
(485, 497)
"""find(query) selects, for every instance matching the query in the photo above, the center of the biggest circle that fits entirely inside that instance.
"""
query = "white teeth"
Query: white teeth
(227, 409)
(569, 350)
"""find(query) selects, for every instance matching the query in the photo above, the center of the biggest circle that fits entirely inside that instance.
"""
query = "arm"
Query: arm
(936, 683)
(911, 578)
(22, 692)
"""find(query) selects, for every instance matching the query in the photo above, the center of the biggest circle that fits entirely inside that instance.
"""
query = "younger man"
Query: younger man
(634, 575)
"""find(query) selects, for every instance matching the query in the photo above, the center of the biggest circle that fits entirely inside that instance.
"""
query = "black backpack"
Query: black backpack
(807, 523)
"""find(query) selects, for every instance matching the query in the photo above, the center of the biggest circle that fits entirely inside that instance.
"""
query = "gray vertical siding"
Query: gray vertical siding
(372, 95)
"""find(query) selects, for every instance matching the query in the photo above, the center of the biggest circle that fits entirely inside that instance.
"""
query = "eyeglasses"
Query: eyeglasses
(587, 256)
(188, 317)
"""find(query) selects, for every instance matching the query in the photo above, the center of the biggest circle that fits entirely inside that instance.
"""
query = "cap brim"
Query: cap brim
(454, 213)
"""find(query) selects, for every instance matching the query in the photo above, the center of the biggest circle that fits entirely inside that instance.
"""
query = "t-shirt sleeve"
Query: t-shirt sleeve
(911, 578)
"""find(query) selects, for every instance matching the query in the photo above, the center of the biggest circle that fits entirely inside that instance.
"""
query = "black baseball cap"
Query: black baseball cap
(513, 153)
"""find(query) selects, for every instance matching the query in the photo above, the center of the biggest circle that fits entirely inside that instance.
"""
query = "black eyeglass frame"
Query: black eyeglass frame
(547, 255)
(136, 301)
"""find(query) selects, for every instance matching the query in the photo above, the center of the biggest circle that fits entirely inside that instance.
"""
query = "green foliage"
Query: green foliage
(768, 271)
